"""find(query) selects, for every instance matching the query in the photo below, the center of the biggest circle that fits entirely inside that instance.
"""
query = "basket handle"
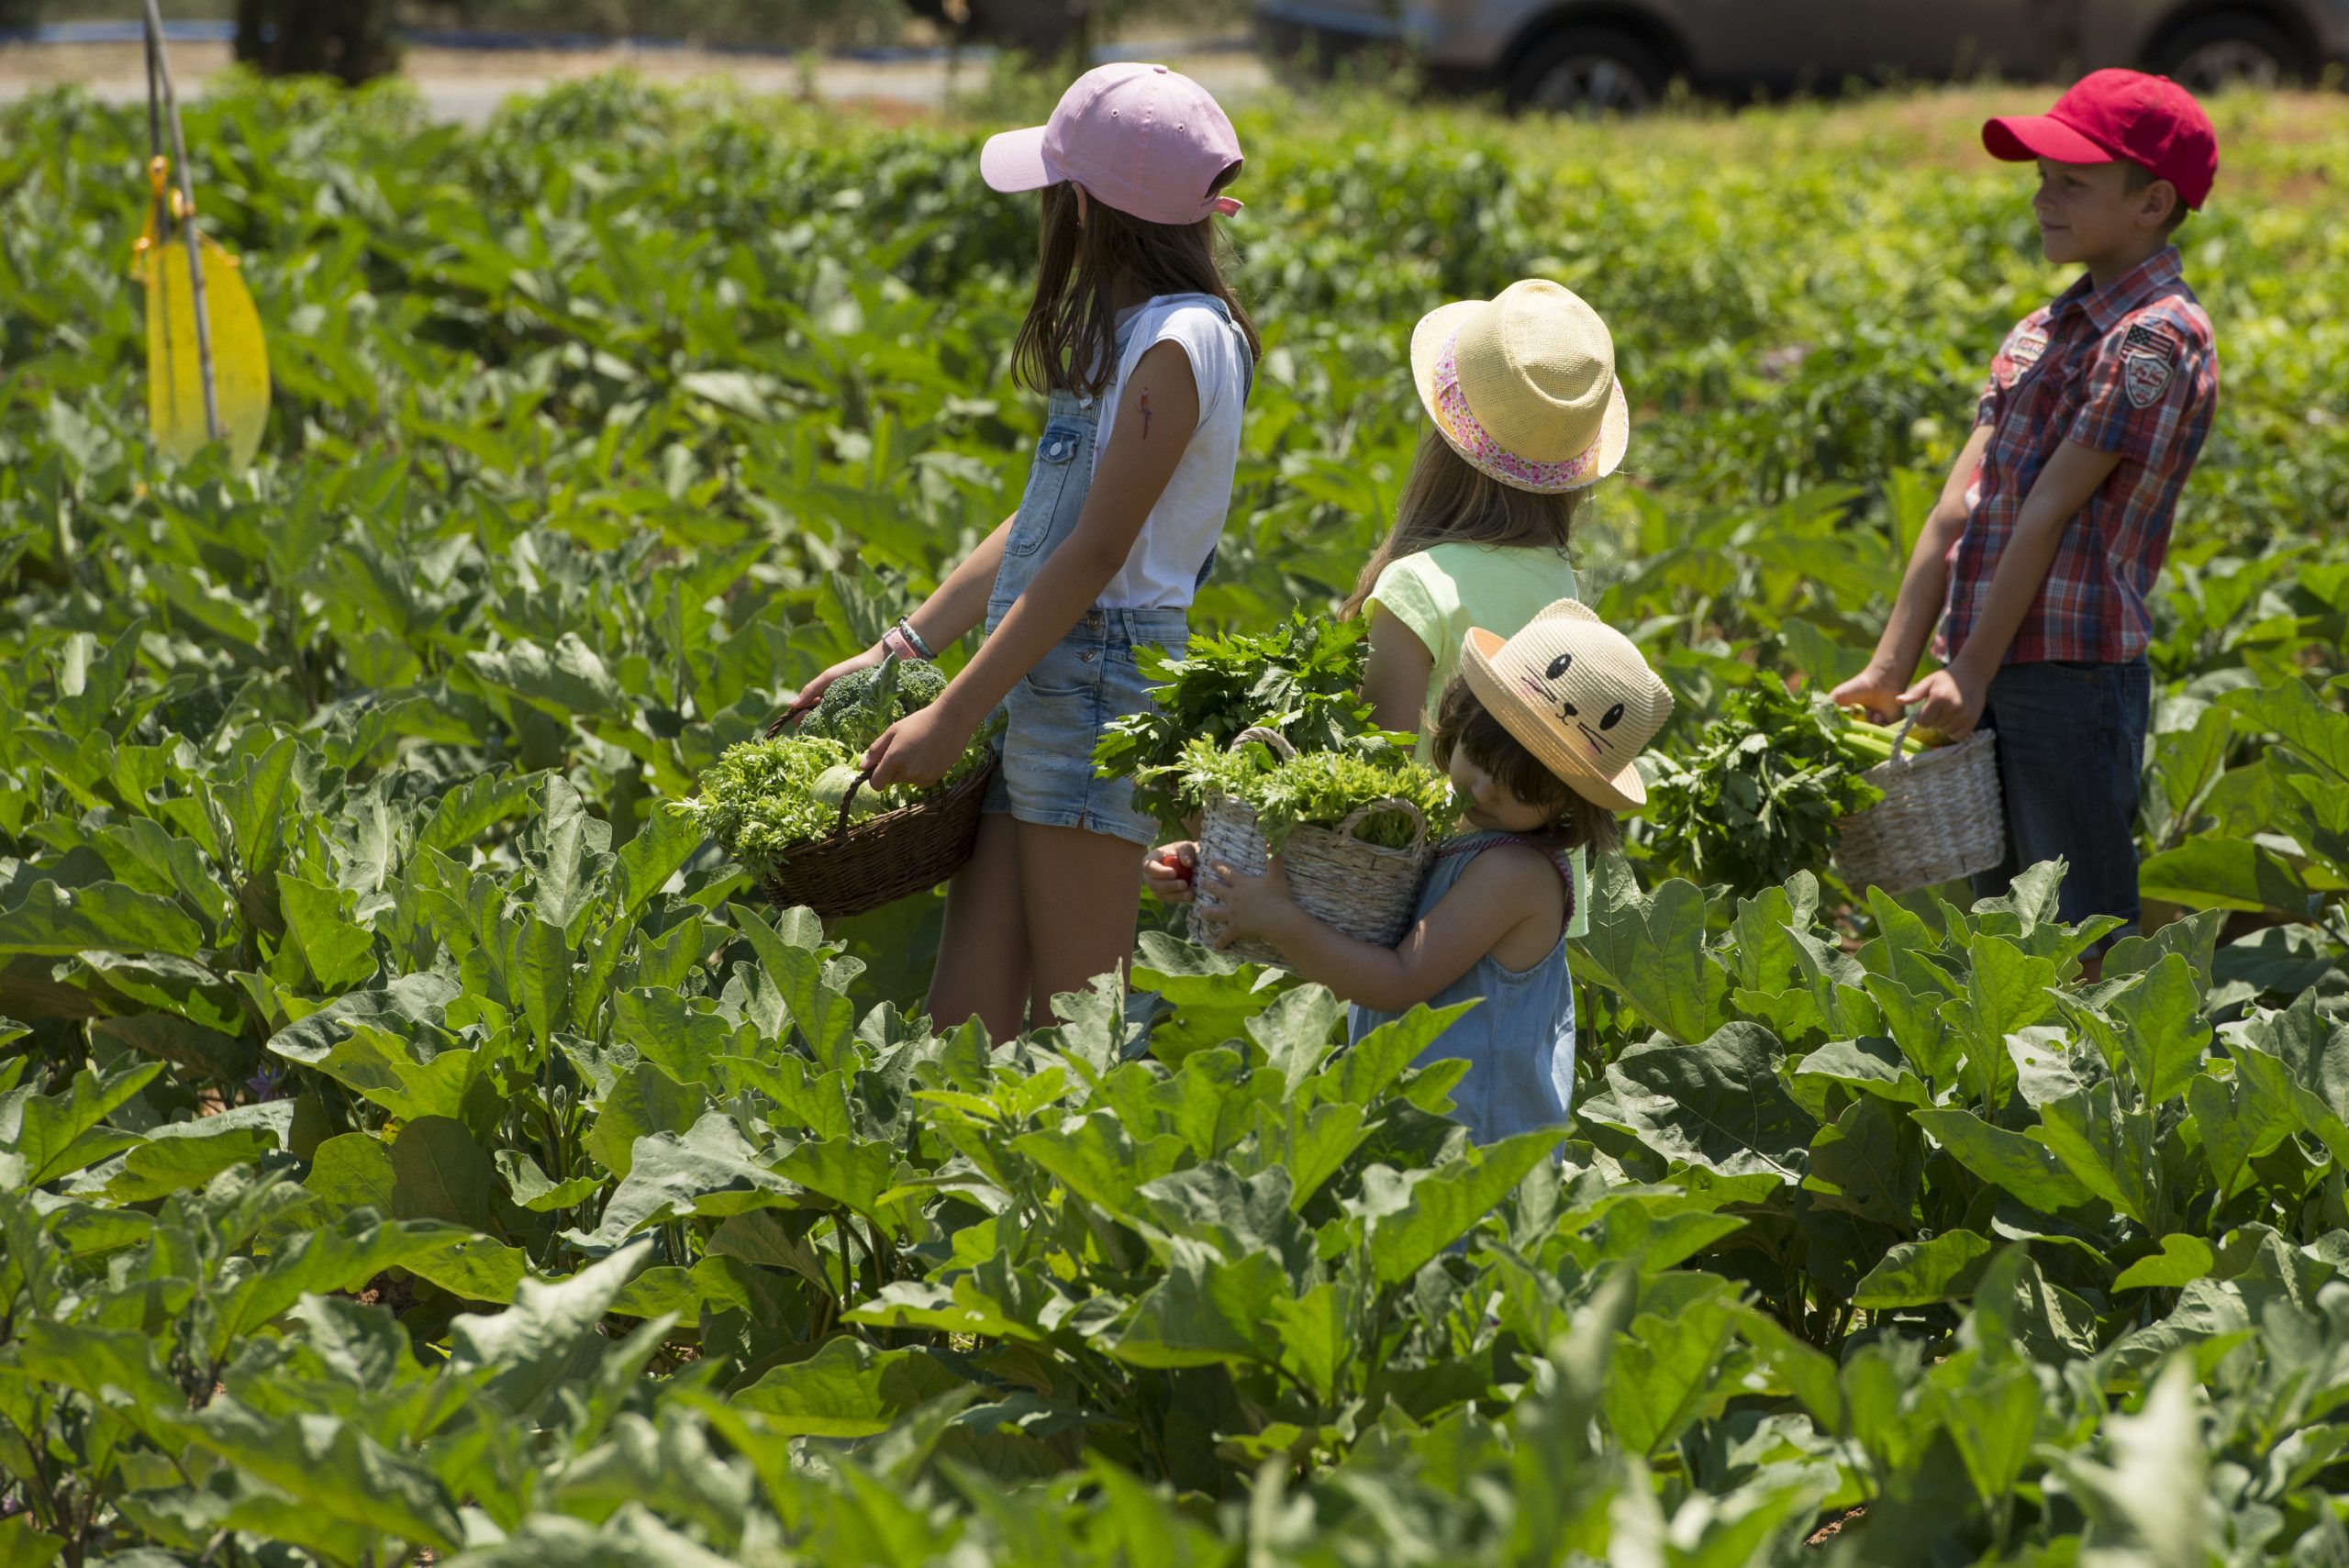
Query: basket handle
(849, 799)
(1380, 807)
(1272, 738)
(1900, 740)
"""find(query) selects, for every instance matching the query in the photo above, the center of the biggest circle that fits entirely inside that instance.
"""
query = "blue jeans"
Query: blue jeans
(2071, 747)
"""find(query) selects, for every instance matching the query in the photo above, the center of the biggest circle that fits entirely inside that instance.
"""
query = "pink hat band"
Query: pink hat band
(1473, 441)
(1144, 140)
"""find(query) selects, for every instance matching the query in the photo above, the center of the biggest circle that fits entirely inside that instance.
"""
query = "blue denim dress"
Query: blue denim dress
(1057, 712)
(1519, 1041)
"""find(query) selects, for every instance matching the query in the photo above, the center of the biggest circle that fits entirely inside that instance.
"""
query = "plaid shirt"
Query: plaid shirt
(2129, 369)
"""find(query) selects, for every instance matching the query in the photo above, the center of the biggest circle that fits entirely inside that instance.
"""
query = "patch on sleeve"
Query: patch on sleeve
(2149, 356)
(2026, 347)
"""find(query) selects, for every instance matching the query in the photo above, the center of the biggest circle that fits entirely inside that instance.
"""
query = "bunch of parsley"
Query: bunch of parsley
(1760, 795)
(1320, 789)
(1301, 679)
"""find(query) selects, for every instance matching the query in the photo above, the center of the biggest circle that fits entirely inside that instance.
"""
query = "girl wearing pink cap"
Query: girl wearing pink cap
(1146, 358)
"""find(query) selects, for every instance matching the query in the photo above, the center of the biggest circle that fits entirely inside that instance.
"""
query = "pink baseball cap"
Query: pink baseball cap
(1144, 140)
(2111, 115)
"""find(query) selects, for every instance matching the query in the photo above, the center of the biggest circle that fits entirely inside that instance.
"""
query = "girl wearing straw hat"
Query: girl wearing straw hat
(1539, 732)
(1525, 416)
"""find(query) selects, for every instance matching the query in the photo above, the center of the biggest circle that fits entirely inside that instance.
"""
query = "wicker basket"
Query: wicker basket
(885, 857)
(1941, 817)
(1365, 890)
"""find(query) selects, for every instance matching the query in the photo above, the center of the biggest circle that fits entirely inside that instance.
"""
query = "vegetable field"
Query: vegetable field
(416, 1139)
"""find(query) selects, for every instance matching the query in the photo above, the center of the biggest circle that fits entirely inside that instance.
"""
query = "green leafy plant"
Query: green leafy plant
(1759, 795)
(762, 797)
(409, 1143)
(1321, 789)
(1301, 680)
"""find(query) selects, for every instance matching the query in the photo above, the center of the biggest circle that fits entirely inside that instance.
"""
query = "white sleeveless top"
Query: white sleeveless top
(1162, 572)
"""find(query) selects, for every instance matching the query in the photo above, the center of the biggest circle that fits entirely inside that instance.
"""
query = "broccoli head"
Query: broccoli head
(858, 707)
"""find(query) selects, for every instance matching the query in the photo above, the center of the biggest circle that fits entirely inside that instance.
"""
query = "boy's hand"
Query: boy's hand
(1872, 689)
(1170, 870)
(1950, 704)
(1251, 905)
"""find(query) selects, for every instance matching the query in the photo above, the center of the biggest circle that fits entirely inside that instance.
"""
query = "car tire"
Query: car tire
(1588, 71)
(1039, 28)
(2230, 49)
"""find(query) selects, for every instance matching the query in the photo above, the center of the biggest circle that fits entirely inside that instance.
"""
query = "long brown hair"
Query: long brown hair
(1446, 501)
(1069, 342)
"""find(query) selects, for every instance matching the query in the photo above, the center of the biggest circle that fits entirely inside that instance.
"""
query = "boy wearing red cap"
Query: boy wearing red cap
(2053, 523)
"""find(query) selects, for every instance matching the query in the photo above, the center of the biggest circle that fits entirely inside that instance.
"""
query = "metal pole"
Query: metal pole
(187, 200)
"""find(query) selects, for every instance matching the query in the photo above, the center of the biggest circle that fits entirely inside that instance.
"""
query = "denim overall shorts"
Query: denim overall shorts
(1059, 709)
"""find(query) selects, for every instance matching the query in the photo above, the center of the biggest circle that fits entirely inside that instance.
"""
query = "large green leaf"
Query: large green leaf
(708, 1168)
(1918, 1273)
(332, 1468)
(1442, 1206)
(1213, 996)
(2107, 1147)
(1206, 1311)
(1650, 948)
(44, 1137)
(105, 916)
(1100, 1161)
(2160, 1029)
(180, 1155)
(2227, 874)
(1871, 1163)
(847, 1389)
(2007, 1161)
(1992, 1415)
(439, 1172)
(1718, 1104)
(1665, 1373)
(339, 952)
(547, 1337)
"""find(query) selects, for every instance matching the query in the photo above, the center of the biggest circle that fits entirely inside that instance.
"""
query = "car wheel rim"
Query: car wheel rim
(2230, 62)
(1590, 85)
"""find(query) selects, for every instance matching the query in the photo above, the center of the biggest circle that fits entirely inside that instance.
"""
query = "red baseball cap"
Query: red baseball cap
(2113, 115)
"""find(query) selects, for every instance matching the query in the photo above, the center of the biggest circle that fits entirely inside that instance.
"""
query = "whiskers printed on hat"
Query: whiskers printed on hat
(1576, 694)
(1597, 738)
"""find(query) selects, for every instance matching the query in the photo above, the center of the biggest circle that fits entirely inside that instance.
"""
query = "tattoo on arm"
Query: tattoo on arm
(1145, 413)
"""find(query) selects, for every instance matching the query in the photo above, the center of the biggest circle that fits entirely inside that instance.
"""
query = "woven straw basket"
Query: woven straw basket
(1365, 890)
(1941, 817)
(863, 865)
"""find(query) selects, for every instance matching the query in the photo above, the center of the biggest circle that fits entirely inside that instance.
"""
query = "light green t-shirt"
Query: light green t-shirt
(1440, 593)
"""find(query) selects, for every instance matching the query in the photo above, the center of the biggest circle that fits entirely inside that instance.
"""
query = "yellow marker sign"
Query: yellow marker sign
(174, 371)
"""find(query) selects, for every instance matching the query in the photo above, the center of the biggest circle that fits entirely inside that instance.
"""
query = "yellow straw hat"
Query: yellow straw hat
(1523, 386)
(1578, 694)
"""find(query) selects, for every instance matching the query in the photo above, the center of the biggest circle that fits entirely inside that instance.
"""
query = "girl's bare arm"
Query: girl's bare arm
(1395, 681)
(954, 608)
(1157, 414)
(1502, 890)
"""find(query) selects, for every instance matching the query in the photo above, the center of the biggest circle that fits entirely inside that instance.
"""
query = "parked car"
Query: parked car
(1599, 56)
(1041, 27)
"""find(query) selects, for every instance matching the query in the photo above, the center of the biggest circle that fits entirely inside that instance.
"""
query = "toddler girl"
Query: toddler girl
(1539, 733)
